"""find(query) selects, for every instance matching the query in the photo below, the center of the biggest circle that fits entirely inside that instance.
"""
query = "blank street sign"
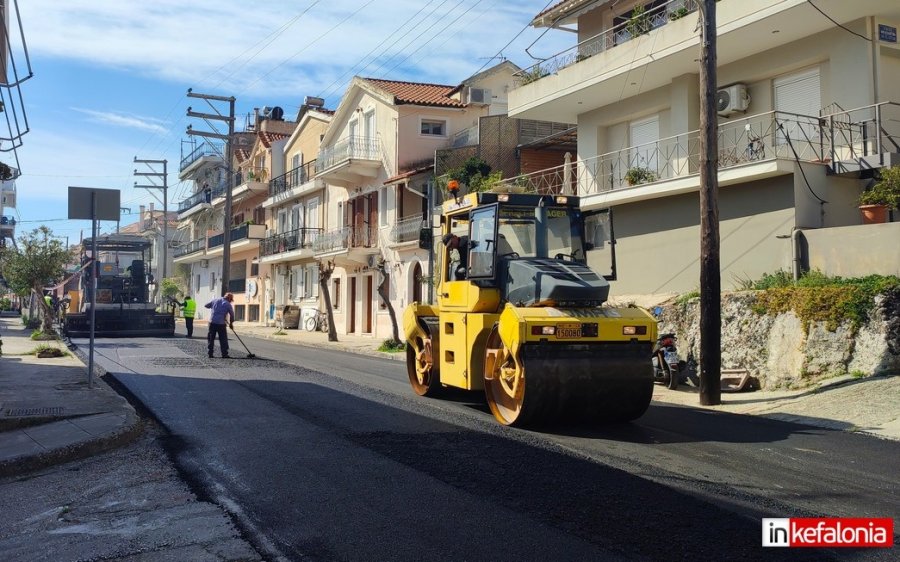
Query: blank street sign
(107, 203)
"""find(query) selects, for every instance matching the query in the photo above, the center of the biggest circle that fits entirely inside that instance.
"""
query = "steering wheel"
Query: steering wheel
(510, 255)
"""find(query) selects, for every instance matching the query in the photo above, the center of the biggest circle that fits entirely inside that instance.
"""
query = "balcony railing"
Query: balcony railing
(294, 178)
(251, 173)
(194, 200)
(635, 26)
(190, 247)
(364, 148)
(288, 241)
(205, 149)
(758, 138)
(859, 133)
(237, 233)
(345, 238)
(407, 229)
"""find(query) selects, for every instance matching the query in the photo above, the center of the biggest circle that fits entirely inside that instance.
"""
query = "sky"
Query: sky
(110, 77)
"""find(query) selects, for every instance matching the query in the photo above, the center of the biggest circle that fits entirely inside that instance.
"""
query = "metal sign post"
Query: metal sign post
(96, 205)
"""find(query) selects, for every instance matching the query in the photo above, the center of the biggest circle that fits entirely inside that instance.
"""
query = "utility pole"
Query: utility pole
(218, 116)
(154, 177)
(710, 273)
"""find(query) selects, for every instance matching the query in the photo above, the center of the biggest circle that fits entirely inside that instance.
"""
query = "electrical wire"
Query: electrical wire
(838, 24)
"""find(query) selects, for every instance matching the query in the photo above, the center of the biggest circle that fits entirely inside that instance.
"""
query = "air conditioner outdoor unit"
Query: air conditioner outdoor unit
(204, 263)
(732, 99)
(479, 96)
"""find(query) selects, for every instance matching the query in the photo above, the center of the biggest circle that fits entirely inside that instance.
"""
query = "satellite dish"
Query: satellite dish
(723, 100)
(277, 113)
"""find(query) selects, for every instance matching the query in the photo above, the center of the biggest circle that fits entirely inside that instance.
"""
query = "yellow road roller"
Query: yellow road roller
(521, 316)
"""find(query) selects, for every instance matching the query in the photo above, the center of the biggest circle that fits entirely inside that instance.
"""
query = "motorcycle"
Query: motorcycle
(666, 365)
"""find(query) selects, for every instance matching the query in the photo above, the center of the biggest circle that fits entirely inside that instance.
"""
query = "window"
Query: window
(253, 313)
(197, 285)
(644, 136)
(282, 222)
(254, 269)
(434, 128)
(212, 281)
(369, 124)
(336, 295)
(312, 213)
(383, 207)
(297, 217)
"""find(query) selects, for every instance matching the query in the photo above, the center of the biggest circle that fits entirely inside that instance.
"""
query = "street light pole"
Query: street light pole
(218, 116)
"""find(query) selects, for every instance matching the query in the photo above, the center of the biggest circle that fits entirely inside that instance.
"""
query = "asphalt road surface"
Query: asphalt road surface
(327, 455)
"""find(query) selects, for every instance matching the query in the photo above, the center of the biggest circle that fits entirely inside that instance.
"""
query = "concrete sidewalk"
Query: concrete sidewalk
(48, 415)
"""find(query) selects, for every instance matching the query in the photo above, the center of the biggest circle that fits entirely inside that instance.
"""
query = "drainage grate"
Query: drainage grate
(17, 412)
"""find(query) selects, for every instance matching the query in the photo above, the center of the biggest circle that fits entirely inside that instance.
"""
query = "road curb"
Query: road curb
(128, 432)
(399, 356)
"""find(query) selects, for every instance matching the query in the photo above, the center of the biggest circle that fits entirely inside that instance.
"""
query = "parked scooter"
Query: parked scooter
(666, 366)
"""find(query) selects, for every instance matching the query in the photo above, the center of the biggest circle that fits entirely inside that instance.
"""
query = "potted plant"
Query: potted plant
(881, 197)
(638, 175)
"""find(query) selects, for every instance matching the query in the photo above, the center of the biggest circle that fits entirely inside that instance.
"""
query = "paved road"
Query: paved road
(332, 458)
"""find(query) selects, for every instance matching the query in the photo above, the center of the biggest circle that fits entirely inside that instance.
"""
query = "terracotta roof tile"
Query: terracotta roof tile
(267, 138)
(417, 93)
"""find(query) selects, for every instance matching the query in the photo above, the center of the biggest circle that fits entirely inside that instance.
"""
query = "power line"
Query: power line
(517, 35)
(837, 24)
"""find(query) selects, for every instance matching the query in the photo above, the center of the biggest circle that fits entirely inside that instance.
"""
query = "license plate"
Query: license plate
(671, 357)
(568, 331)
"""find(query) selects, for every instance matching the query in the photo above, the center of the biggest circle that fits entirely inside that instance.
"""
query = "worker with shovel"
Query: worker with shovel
(222, 317)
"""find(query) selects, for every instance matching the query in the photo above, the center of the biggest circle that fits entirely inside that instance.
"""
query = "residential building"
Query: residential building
(257, 156)
(807, 113)
(8, 201)
(295, 212)
(376, 159)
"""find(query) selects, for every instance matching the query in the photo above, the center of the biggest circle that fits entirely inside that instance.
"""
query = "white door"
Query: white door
(644, 150)
(297, 217)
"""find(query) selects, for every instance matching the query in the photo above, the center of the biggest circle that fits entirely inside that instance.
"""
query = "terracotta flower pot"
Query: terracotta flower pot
(874, 214)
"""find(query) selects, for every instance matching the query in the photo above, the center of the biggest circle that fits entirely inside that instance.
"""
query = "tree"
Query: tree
(325, 271)
(39, 260)
(384, 293)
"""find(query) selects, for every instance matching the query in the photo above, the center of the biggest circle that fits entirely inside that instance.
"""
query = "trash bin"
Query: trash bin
(290, 316)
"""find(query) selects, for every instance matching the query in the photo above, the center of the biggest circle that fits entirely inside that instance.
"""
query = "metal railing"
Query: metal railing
(294, 178)
(406, 229)
(251, 173)
(364, 148)
(635, 26)
(865, 131)
(205, 149)
(6, 220)
(345, 238)
(194, 200)
(237, 233)
(288, 241)
(756, 138)
(190, 247)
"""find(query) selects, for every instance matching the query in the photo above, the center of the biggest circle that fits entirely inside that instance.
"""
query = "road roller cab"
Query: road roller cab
(527, 323)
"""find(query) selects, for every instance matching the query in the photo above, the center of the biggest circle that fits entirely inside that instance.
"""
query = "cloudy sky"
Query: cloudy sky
(110, 76)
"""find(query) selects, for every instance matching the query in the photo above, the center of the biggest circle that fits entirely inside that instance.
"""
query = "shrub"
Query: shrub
(815, 297)
(886, 190)
(392, 346)
(638, 175)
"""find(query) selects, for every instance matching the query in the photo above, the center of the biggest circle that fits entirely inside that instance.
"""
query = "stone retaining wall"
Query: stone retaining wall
(776, 350)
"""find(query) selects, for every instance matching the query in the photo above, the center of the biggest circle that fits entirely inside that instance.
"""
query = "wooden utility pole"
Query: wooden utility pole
(710, 274)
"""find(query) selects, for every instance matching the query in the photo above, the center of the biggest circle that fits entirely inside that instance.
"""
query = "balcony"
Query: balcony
(356, 242)
(7, 225)
(350, 161)
(210, 151)
(191, 247)
(242, 237)
(288, 245)
(749, 149)
(600, 70)
(194, 203)
(293, 184)
(249, 181)
(406, 230)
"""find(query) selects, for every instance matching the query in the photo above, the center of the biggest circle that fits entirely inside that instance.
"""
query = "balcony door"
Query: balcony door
(643, 138)
(798, 100)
